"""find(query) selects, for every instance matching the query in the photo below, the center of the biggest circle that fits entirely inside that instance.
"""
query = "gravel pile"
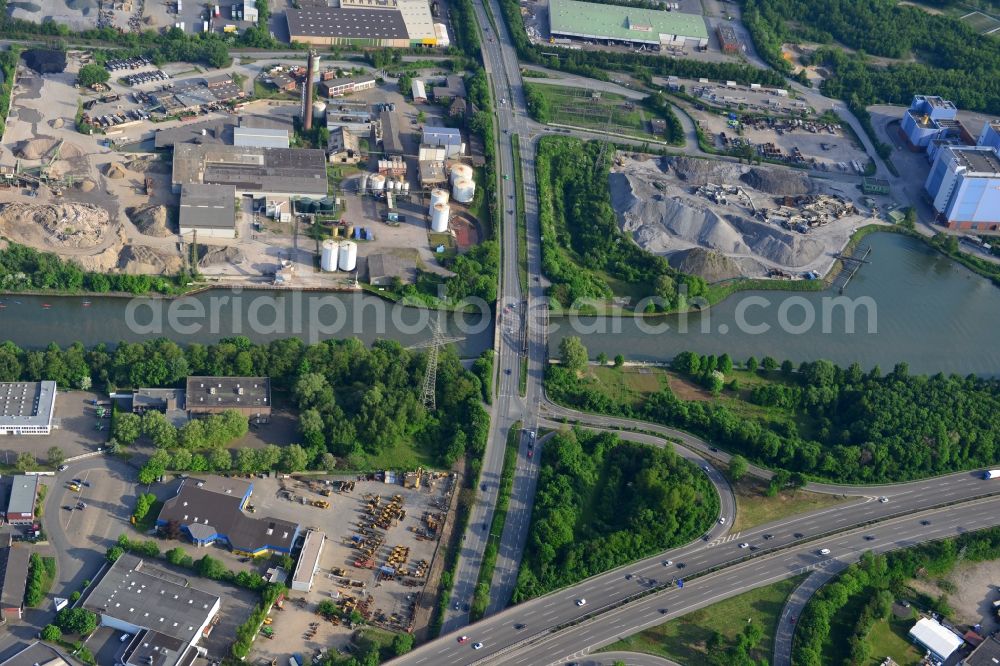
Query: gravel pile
(772, 181)
(150, 219)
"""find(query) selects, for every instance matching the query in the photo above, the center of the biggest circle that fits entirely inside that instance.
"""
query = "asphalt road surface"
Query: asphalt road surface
(537, 631)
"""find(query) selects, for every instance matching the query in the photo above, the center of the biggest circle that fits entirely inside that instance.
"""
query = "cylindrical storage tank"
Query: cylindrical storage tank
(348, 256)
(376, 182)
(326, 204)
(319, 110)
(459, 172)
(328, 260)
(464, 190)
(349, 231)
(406, 187)
(439, 217)
(438, 196)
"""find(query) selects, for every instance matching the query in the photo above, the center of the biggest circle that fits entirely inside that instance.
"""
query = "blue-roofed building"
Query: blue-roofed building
(964, 183)
(990, 136)
(924, 120)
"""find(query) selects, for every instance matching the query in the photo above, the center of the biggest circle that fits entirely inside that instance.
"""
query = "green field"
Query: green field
(596, 110)
(686, 639)
(888, 638)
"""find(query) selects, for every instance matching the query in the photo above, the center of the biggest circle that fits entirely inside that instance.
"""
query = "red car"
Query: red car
(530, 453)
(463, 639)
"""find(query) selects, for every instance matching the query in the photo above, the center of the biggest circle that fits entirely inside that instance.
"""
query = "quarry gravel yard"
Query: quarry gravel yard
(658, 207)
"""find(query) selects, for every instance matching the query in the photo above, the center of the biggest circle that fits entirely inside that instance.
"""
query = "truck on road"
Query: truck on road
(991, 474)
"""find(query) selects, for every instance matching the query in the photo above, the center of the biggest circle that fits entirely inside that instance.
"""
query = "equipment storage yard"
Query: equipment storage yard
(369, 524)
(722, 219)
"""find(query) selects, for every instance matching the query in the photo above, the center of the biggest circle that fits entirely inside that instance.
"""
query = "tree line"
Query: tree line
(353, 401)
(581, 241)
(872, 585)
(602, 502)
(952, 59)
(840, 424)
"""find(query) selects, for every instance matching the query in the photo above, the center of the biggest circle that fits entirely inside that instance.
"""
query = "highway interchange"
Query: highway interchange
(556, 627)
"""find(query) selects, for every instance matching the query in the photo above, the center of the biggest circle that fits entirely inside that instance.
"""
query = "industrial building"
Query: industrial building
(964, 183)
(21, 505)
(26, 408)
(874, 186)
(448, 138)
(162, 400)
(250, 396)
(347, 26)
(37, 654)
(418, 91)
(343, 147)
(308, 564)
(14, 565)
(252, 171)
(629, 25)
(453, 88)
(208, 210)
(212, 509)
(260, 137)
(937, 639)
(388, 133)
(990, 136)
(162, 614)
(345, 86)
(925, 118)
(986, 653)
(357, 121)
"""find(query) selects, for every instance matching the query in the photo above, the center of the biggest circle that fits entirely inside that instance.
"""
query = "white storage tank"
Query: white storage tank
(464, 190)
(438, 196)
(440, 214)
(406, 187)
(376, 182)
(348, 256)
(319, 110)
(460, 172)
(328, 259)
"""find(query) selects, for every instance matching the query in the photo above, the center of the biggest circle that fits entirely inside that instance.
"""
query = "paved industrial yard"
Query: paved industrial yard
(338, 578)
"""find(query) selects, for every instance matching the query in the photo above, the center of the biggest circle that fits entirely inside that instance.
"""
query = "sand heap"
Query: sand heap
(150, 219)
(62, 224)
(656, 208)
(142, 260)
(43, 147)
(115, 170)
(212, 256)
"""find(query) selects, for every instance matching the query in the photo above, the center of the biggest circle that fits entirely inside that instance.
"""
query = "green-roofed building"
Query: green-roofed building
(589, 20)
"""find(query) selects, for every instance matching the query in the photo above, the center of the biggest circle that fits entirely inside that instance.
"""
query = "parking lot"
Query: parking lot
(350, 568)
(75, 429)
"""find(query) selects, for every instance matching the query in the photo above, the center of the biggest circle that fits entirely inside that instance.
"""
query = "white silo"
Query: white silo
(319, 110)
(439, 217)
(459, 172)
(328, 260)
(363, 183)
(376, 182)
(406, 187)
(438, 196)
(348, 260)
(464, 190)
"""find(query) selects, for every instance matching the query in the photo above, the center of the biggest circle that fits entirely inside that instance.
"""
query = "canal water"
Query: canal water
(910, 304)
(33, 322)
(929, 312)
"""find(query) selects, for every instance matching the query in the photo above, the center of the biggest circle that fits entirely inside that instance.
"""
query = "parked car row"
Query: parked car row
(127, 63)
(112, 119)
(145, 77)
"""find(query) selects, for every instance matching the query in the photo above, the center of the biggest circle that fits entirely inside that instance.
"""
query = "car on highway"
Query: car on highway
(667, 563)
(67, 507)
(463, 639)
(530, 453)
(483, 487)
(458, 606)
(797, 535)
(628, 576)
(519, 627)
(925, 522)
(465, 607)
(768, 537)
(664, 611)
(581, 602)
(722, 520)
(63, 468)
(869, 537)
(883, 499)
(477, 646)
(824, 551)
(507, 371)
(744, 545)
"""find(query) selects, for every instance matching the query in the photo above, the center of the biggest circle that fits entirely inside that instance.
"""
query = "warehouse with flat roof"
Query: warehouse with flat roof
(250, 396)
(308, 564)
(26, 408)
(252, 171)
(631, 25)
(21, 506)
(208, 210)
(347, 26)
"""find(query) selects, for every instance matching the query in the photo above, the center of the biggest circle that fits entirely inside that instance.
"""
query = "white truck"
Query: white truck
(991, 474)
